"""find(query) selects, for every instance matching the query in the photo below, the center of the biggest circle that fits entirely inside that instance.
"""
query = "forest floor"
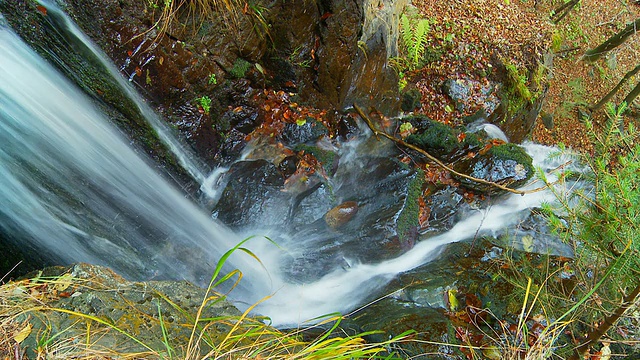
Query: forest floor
(466, 34)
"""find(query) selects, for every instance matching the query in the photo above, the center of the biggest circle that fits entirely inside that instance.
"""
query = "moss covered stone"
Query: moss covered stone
(515, 153)
(408, 219)
(433, 136)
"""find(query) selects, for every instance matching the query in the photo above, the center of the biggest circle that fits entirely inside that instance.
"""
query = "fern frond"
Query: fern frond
(406, 31)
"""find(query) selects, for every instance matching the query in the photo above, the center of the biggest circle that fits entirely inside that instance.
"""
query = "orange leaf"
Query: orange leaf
(42, 10)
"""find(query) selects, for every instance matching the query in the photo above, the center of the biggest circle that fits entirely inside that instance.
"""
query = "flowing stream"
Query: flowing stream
(72, 187)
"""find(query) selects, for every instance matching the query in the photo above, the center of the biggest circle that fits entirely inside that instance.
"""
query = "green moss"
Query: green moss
(472, 140)
(240, 68)
(408, 220)
(436, 136)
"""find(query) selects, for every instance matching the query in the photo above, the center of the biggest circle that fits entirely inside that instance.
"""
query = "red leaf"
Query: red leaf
(41, 9)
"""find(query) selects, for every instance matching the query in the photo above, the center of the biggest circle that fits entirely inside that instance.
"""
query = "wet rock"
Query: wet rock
(288, 165)
(338, 50)
(411, 100)
(443, 206)
(244, 120)
(341, 214)
(373, 233)
(232, 146)
(310, 131)
(507, 164)
(422, 303)
(253, 195)
(533, 235)
(132, 307)
(347, 128)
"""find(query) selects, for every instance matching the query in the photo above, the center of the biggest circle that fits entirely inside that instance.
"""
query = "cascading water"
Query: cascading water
(344, 289)
(74, 189)
(78, 40)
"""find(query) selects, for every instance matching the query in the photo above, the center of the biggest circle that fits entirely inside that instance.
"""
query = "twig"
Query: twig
(432, 158)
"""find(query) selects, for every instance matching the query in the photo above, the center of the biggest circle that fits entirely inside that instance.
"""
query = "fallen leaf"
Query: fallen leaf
(63, 282)
(42, 9)
(22, 334)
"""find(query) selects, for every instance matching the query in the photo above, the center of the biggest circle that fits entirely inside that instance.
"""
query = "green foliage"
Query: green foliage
(556, 41)
(413, 33)
(516, 92)
(413, 41)
(297, 59)
(167, 330)
(240, 68)
(212, 79)
(204, 103)
(600, 219)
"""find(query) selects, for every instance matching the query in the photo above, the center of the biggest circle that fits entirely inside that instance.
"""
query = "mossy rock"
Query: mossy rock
(432, 136)
(506, 164)
(408, 219)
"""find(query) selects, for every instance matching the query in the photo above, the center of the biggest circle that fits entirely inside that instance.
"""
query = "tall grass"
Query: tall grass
(39, 313)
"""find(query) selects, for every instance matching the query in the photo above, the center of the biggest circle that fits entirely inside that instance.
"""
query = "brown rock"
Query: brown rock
(341, 214)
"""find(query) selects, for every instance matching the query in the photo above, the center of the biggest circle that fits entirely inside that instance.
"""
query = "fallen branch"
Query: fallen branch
(435, 160)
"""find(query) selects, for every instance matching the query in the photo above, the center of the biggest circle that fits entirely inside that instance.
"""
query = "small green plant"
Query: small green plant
(295, 58)
(413, 33)
(212, 79)
(240, 68)
(516, 93)
(204, 104)
(556, 41)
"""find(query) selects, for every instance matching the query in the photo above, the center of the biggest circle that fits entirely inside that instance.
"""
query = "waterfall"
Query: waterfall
(73, 34)
(72, 186)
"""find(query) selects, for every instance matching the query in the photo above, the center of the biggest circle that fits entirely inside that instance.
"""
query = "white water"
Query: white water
(71, 186)
(185, 157)
(345, 289)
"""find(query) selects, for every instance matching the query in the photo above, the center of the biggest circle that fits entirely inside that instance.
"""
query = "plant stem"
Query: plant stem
(608, 322)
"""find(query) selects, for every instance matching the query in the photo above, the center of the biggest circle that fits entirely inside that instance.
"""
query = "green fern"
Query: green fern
(414, 40)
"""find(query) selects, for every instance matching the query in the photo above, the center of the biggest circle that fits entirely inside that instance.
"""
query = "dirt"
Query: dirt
(467, 34)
